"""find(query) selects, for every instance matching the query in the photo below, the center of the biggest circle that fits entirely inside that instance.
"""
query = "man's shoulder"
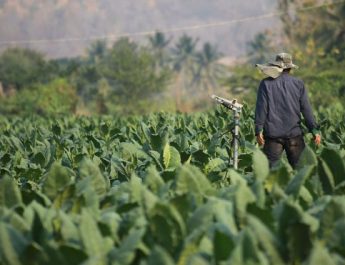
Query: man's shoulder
(266, 80)
(294, 79)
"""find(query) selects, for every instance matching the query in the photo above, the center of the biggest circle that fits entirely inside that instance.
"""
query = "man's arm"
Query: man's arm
(260, 112)
(308, 116)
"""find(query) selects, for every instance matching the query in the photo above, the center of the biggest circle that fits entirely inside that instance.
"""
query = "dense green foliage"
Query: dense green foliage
(124, 78)
(315, 38)
(22, 67)
(54, 98)
(158, 190)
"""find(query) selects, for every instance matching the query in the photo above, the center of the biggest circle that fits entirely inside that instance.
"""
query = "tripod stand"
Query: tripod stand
(236, 108)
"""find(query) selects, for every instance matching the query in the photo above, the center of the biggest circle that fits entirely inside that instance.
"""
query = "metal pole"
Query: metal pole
(236, 136)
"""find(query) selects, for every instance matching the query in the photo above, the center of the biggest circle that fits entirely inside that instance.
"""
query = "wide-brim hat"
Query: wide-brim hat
(274, 69)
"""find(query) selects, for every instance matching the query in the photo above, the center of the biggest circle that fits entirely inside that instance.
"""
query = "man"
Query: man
(280, 101)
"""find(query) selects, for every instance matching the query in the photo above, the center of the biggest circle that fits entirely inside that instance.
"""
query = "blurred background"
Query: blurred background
(118, 57)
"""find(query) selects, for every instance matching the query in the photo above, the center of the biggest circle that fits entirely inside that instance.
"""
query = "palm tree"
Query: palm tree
(97, 51)
(184, 62)
(208, 69)
(158, 45)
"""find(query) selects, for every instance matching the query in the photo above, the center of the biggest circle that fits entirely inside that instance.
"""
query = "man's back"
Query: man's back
(281, 100)
(279, 106)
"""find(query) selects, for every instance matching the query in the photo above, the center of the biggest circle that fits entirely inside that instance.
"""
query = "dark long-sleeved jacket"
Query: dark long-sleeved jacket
(280, 103)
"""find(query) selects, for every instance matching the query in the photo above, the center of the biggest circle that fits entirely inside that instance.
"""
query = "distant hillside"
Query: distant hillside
(55, 19)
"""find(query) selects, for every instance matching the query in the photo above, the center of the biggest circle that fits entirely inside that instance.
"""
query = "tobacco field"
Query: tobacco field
(159, 189)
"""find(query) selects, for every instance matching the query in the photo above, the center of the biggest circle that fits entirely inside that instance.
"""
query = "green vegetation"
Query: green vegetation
(316, 41)
(162, 74)
(22, 67)
(54, 98)
(158, 189)
(126, 78)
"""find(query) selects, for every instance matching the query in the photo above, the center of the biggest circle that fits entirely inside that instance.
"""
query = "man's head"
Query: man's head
(284, 60)
(282, 63)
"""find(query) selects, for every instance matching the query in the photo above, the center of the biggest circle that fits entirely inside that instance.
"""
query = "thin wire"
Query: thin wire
(172, 30)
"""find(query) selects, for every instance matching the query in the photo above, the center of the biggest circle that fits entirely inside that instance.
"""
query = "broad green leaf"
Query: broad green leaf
(215, 165)
(88, 169)
(9, 192)
(159, 256)
(200, 157)
(326, 177)
(72, 254)
(336, 239)
(159, 141)
(295, 228)
(188, 251)
(243, 194)
(222, 244)
(87, 197)
(125, 254)
(69, 229)
(297, 182)
(156, 158)
(153, 180)
(132, 150)
(320, 255)
(148, 200)
(12, 245)
(65, 197)
(197, 259)
(279, 175)
(250, 247)
(16, 220)
(307, 157)
(165, 217)
(214, 210)
(247, 251)
(56, 179)
(17, 143)
(171, 157)
(245, 160)
(266, 239)
(332, 211)
(260, 165)
(146, 131)
(135, 186)
(259, 192)
(191, 179)
(306, 196)
(111, 221)
(335, 163)
(93, 242)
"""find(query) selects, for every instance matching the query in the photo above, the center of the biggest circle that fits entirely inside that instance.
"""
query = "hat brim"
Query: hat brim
(270, 70)
(284, 66)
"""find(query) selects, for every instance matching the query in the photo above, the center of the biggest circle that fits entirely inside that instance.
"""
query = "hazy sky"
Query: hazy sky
(68, 21)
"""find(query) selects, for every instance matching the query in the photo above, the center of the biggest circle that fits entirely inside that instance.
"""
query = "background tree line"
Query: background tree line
(130, 78)
(126, 78)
